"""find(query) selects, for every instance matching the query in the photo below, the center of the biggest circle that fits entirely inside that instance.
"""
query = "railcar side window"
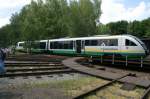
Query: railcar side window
(68, 44)
(52, 45)
(61, 45)
(71, 45)
(35, 45)
(94, 42)
(55, 45)
(65, 45)
(113, 42)
(21, 44)
(91, 42)
(100, 42)
(129, 43)
(87, 42)
(42, 45)
(108, 42)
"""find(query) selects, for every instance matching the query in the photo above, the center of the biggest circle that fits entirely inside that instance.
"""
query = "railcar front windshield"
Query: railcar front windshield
(142, 44)
(21, 44)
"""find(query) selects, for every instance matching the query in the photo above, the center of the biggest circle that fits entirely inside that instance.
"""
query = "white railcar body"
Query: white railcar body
(96, 45)
(20, 45)
(121, 44)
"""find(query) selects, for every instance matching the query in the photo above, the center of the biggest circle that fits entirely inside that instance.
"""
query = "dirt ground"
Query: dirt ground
(47, 87)
(34, 88)
(34, 93)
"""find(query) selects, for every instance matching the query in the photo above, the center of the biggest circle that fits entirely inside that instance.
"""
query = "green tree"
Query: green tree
(103, 29)
(119, 27)
(146, 27)
(136, 28)
(57, 18)
(53, 19)
(5, 36)
(83, 17)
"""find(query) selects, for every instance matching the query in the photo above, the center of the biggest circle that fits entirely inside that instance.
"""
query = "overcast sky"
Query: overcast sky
(112, 10)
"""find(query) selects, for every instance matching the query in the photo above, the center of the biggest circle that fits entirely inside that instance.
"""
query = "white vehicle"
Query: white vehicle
(20, 45)
(37, 46)
(122, 45)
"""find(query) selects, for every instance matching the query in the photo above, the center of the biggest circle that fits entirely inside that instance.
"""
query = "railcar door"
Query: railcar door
(78, 46)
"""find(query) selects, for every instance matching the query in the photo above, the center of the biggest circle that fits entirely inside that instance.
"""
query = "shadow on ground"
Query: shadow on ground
(10, 95)
(34, 93)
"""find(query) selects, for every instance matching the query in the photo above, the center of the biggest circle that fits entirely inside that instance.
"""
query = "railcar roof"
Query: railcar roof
(35, 41)
(92, 37)
(84, 38)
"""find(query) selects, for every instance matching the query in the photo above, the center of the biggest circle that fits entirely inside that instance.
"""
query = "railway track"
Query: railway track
(146, 94)
(35, 69)
(83, 95)
(36, 73)
(112, 74)
(107, 62)
(33, 65)
(42, 58)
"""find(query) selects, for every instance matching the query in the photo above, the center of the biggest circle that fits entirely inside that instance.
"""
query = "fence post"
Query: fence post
(113, 58)
(126, 60)
(101, 58)
(141, 61)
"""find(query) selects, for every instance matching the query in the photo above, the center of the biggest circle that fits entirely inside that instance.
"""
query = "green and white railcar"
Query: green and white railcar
(20, 45)
(40, 46)
(122, 45)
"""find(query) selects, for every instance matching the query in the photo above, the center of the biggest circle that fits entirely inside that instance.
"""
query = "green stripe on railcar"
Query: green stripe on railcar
(63, 52)
(38, 50)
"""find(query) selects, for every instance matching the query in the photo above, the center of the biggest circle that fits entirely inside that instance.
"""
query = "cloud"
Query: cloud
(8, 7)
(13, 3)
(115, 10)
(4, 21)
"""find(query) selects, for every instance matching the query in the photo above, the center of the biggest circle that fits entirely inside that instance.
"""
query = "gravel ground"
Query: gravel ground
(34, 93)
(116, 92)
(21, 87)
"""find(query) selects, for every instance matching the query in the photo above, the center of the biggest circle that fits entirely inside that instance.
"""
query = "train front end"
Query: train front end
(139, 46)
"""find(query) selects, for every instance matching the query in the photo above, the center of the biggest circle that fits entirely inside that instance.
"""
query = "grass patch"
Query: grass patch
(70, 87)
(75, 87)
(115, 92)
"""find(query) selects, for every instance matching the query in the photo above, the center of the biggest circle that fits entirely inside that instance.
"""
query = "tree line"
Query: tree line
(137, 28)
(52, 19)
(64, 18)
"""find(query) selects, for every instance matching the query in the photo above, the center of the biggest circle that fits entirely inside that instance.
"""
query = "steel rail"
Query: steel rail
(36, 73)
(35, 65)
(146, 93)
(36, 69)
(81, 96)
